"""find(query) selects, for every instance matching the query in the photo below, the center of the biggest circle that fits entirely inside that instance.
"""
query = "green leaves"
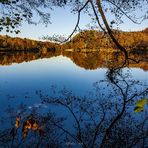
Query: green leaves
(7, 2)
(140, 105)
(10, 24)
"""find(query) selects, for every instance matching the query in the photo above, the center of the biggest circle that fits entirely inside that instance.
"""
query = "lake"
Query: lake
(23, 75)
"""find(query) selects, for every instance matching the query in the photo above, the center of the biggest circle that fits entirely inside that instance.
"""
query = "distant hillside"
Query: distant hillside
(87, 40)
(11, 44)
(92, 39)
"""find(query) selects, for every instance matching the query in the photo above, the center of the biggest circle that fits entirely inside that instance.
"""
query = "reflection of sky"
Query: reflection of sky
(19, 82)
(18, 79)
(43, 73)
(139, 74)
(24, 79)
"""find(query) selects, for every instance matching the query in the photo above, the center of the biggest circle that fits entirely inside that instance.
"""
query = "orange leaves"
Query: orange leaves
(29, 124)
(25, 132)
(35, 127)
(17, 122)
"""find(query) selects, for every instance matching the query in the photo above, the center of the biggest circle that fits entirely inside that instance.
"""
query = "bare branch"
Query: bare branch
(73, 114)
(136, 95)
(97, 129)
(64, 130)
(96, 15)
(123, 12)
(78, 20)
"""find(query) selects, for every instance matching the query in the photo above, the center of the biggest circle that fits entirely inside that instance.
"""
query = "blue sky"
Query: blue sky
(63, 22)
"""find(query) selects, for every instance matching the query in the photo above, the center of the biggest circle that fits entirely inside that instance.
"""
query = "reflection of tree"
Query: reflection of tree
(103, 118)
(33, 130)
(19, 57)
(87, 60)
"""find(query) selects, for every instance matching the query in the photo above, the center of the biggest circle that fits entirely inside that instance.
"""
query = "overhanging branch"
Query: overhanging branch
(78, 20)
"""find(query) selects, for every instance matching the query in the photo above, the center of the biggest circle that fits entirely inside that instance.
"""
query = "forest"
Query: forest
(86, 40)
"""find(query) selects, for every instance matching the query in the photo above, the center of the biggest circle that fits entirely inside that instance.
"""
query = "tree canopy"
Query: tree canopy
(13, 12)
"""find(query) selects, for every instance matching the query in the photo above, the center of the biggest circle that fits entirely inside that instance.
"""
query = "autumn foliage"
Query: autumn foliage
(19, 44)
(87, 39)
(92, 39)
(28, 125)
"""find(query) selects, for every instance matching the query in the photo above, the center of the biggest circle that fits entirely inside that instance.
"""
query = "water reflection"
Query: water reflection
(103, 118)
(58, 117)
(87, 60)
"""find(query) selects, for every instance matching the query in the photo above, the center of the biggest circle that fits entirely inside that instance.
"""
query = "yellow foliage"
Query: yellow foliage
(140, 105)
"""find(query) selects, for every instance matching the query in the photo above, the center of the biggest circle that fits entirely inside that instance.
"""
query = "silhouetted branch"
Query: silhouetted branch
(96, 15)
(109, 31)
(97, 129)
(58, 102)
(119, 115)
(78, 20)
(66, 131)
(123, 12)
(136, 95)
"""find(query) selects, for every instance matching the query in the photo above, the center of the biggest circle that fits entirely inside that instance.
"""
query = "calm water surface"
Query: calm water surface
(19, 82)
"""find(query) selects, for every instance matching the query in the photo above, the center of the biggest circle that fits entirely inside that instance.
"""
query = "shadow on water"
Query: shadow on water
(112, 115)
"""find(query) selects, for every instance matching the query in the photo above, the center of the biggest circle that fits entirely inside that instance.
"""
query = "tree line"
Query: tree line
(87, 39)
